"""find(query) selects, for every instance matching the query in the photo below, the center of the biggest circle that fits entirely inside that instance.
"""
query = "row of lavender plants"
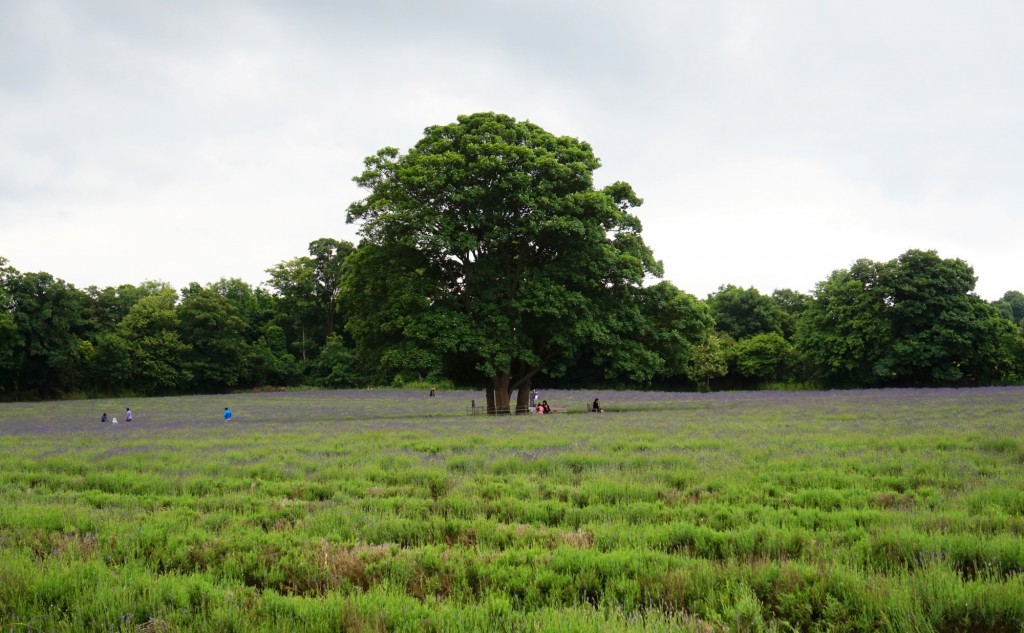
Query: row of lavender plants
(390, 510)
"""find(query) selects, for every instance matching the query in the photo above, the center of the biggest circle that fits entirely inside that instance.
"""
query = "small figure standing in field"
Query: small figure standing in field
(103, 418)
(127, 414)
(596, 407)
(227, 414)
(433, 391)
(113, 420)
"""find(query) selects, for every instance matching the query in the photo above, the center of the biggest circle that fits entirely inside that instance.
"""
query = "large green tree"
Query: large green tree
(159, 357)
(209, 325)
(496, 225)
(912, 321)
(43, 353)
(843, 331)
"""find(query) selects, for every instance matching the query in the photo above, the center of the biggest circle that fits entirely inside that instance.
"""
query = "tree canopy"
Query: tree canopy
(499, 245)
(912, 321)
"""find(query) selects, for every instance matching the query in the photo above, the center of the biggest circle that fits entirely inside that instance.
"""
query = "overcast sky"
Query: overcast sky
(773, 142)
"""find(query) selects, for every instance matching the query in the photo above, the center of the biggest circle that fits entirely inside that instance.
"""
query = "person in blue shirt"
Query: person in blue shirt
(227, 414)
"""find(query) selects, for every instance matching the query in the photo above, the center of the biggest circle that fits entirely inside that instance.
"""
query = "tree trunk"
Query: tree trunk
(523, 382)
(489, 390)
(500, 388)
(523, 399)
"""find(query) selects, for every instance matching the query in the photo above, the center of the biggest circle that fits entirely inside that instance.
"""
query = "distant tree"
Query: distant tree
(42, 335)
(307, 290)
(112, 367)
(253, 306)
(1011, 307)
(912, 321)
(998, 355)
(268, 361)
(336, 366)
(159, 356)
(742, 313)
(791, 305)
(8, 329)
(661, 329)
(298, 311)
(843, 332)
(106, 307)
(763, 357)
(328, 258)
(517, 255)
(215, 337)
(707, 362)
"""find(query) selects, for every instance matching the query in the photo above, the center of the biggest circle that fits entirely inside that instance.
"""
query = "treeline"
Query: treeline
(912, 321)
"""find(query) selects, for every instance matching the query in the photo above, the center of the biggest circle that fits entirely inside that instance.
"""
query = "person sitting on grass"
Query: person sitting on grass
(596, 407)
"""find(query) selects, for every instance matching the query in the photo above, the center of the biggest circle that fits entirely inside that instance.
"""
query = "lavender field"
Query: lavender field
(889, 510)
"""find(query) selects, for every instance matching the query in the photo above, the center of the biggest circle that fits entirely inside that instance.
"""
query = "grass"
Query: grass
(389, 511)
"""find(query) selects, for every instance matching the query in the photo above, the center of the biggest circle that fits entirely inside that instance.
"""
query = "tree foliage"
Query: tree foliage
(762, 357)
(151, 330)
(41, 330)
(742, 313)
(214, 336)
(913, 321)
(495, 229)
(1011, 307)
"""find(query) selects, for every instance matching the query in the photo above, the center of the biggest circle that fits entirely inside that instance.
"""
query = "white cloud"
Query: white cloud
(774, 223)
(773, 142)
